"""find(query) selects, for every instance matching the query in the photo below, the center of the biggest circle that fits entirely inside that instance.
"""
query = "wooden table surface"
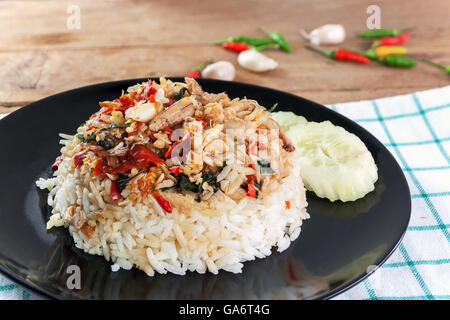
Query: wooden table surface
(40, 56)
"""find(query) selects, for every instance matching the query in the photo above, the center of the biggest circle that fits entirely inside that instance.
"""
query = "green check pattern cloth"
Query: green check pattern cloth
(416, 129)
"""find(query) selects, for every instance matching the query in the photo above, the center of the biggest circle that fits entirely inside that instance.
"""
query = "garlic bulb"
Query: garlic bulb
(222, 70)
(327, 34)
(255, 61)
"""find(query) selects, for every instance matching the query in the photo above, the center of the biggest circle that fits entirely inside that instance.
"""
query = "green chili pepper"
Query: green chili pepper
(279, 39)
(379, 33)
(266, 46)
(398, 61)
(446, 68)
(252, 41)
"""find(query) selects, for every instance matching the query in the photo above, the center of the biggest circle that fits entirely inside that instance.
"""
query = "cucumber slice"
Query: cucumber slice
(335, 164)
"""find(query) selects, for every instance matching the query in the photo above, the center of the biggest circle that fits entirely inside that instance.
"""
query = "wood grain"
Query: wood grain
(119, 39)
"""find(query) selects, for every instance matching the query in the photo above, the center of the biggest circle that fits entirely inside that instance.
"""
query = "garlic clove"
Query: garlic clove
(255, 61)
(221, 70)
(326, 34)
(142, 112)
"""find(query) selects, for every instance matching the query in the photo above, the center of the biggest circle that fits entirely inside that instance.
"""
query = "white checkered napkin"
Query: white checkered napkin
(416, 129)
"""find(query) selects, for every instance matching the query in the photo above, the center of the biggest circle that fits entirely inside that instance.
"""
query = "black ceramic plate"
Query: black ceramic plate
(337, 248)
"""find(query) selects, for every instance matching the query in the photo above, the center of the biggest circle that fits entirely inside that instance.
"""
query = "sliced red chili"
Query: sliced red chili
(169, 130)
(163, 202)
(136, 128)
(251, 191)
(78, 159)
(152, 98)
(151, 91)
(126, 166)
(168, 154)
(204, 123)
(151, 135)
(288, 204)
(175, 170)
(57, 162)
(142, 157)
(98, 170)
(126, 101)
(114, 191)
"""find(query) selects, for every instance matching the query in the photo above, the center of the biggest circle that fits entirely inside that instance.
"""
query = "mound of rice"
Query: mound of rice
(217, 226)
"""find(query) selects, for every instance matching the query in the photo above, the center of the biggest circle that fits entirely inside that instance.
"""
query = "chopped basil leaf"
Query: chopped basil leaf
(264, 167)
(90, 137)
(180, 94)
(123, 179)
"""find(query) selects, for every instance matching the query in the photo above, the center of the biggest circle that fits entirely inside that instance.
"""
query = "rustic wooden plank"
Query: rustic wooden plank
(39, 56)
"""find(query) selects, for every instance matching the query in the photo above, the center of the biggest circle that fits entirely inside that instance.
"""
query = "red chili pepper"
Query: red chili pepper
(235, 46)
(168, 154)
(101, 112)
(204, 123)
(151, 135)
(56, 164)
(98, 170)
(342, 55)
(345, 55)
(251, 177)
(125, 104)
(251, 191)
(392, 41)
(163, 202)
(169, 130)
(78, 159)
(114, 191)
(288, 204)
(142, 157)
(152, 98)
(126, 101)
(175, 170)
(195, 73)
(123, 167)
(151, 91)
(136, 128)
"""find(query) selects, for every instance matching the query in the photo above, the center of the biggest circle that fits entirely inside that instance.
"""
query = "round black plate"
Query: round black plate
(337, 248)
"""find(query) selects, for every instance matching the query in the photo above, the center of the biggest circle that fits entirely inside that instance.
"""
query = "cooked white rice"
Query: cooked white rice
(143, 235)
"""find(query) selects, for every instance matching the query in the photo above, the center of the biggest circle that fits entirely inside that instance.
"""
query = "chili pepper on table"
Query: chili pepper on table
(379, 33)
(251, 41)
(235, 46)
(197, 70)
(444, 67)
(398, 61)
(383, 51)
(279, 39)
(392, 41)
(163, 202)
(342, 55)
